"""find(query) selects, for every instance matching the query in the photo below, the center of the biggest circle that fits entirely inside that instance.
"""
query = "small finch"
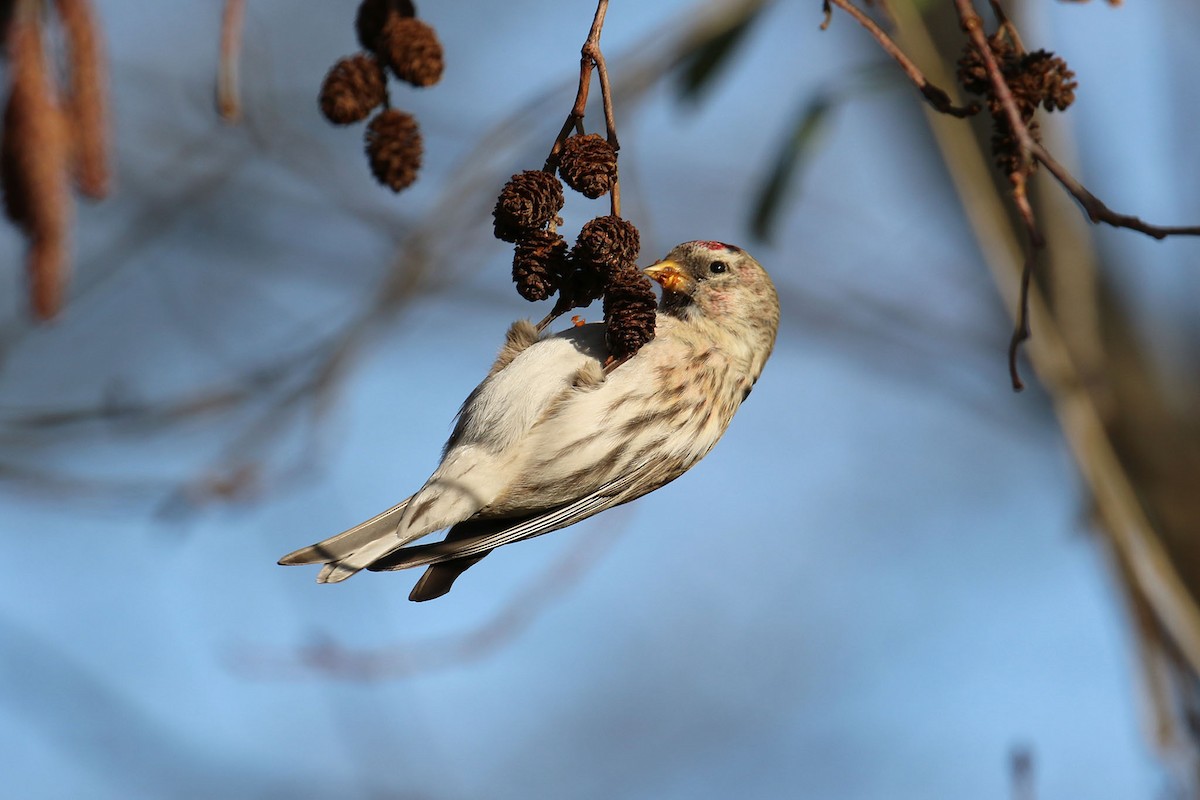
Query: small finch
(551, 437)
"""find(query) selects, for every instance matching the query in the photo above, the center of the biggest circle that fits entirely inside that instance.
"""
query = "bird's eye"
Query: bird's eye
(717, 267)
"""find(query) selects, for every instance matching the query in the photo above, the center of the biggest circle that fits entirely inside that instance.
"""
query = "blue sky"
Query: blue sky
(879, 584)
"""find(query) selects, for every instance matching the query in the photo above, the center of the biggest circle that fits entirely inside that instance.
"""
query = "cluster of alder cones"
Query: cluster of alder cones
(1035, 79)
(394, 41)
(603, 260)
(54, 136)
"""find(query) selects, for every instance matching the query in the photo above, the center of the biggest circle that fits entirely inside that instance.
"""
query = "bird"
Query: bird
(557, 432)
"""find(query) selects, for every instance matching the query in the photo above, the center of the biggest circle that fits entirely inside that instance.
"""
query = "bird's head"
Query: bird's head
(717, 283)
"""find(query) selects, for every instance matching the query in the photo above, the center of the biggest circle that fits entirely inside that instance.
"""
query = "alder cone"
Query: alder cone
(588, 164)
(630, 311)
(579, 285)
(372, 15)
(527, 203)
(353, 88)
(609, 242)
(539, 262)
(411, 50)
(394, 148)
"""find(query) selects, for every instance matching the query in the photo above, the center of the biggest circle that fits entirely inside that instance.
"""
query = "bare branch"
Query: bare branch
(1097, 211)
(936, 96)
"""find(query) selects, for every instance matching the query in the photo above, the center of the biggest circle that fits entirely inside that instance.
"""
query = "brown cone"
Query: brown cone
(630, 311)
(373, 14)
(578, 286)
(353, 88)
(527, 202)
(411, 50)
(538, 264)
(608, 242)
(393, 146)
(588, 164)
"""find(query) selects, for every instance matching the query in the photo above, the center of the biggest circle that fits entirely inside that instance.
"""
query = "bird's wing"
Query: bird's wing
(481, 457)
(346, 542)
(646, 477)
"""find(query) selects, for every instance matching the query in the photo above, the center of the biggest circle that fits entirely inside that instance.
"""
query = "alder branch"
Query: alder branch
(972, 25)
(1097, 211)
(1006, 108)
(591, 58)
(937, 97)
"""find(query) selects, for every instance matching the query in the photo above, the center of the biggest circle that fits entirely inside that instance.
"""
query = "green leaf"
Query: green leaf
(705, 60)
(806, 133)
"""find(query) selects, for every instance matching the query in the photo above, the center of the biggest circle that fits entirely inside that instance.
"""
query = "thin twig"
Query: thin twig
(1031, 151)
(610, 120)
(591, 57)
(936, 96)
(1097, 211)
(1021, 330)
(972, 25)
(1136, 541)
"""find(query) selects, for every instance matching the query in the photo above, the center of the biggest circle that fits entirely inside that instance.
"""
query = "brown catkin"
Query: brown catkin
(393, 146)
(1051, 80)
(1034, 79)
(630, 311)
(609, 242)
(539, 262)
(36, 162)
(47, 267)
(972, 72)
(527, 203)
(588, 164)
(373, 14)
(354, 87)
(411, 50)
(87, 96)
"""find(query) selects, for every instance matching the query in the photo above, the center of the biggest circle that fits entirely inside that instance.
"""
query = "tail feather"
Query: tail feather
(467, 479)
(446, 499)
(346, 542)
(338, 570)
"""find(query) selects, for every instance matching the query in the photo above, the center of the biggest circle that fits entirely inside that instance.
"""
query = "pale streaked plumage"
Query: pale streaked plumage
(549, 438)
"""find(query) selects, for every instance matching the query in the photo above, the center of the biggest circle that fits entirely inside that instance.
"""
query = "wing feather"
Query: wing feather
(621, 490)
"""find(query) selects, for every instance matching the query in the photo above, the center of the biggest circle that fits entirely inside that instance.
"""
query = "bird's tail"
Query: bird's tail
(444, 500)
(332, 551)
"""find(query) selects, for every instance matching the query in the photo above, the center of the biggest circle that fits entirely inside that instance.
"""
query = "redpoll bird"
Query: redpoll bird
(550, 438)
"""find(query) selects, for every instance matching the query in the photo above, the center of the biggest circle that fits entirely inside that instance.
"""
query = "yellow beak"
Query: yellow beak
(670, 276)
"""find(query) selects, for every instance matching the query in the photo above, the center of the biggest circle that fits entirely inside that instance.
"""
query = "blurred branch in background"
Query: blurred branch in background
(249, 407)
(67, 702)
(1014, 83)
(329, 659)
(1139, 457)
